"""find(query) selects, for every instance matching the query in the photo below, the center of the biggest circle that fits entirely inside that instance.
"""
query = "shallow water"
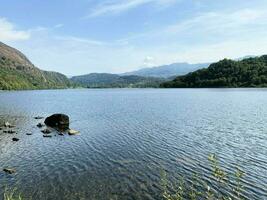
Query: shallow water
(128, 136)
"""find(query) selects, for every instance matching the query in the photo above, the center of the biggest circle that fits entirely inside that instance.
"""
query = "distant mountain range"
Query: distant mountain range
(166, 71)
(105, 80)
(17, 72)
(249, 72)
(147, 77)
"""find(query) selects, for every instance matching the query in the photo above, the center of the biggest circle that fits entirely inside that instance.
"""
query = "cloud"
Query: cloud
(58, 25)
(81, 40)
(119, 6)
(149, 61)
(9, 33)
(222, 22)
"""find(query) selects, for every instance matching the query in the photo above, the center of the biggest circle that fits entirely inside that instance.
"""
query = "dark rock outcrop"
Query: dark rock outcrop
(9, 171)
(58, 121)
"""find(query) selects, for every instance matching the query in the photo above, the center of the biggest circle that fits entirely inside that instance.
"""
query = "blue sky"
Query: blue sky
(79, 37)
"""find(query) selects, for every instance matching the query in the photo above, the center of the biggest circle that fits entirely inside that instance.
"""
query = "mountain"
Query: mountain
(250, 72)
(167, 71)
(105, 80)
(17, 72)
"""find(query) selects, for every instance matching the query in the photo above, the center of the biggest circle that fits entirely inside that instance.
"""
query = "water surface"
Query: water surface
(128, 136)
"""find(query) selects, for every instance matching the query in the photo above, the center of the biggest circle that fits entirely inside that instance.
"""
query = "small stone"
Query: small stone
(61, 134)
(48, 136)
(73, 132)
(15, 139)
(38, 117)
(40, 125)
(8, 125)
(9, 171)
(46, 131)
(11, 131)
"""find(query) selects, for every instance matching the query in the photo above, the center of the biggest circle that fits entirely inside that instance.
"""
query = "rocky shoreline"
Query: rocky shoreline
(56, 124)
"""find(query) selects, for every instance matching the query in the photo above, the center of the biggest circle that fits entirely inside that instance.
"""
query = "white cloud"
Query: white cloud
(223, 22)
(8, 32)
(80, 40)
(119, 6)
(149, 61)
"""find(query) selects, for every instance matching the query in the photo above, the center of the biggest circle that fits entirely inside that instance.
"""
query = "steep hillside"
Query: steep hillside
(167, 71)
(104, 80)
(17, 72)
(251, 72)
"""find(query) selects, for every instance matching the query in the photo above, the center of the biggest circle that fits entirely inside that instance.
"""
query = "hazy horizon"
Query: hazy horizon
(117, 36)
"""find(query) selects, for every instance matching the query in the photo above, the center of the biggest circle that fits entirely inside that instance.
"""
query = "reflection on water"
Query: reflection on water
(127, 137)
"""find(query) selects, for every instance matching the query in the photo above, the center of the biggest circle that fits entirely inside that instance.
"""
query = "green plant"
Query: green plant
(12, 195)
(201, 189)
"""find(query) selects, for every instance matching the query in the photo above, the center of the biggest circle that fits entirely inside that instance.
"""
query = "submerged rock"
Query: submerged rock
(40, 125)
(38, 117)
(28, 133)
(15, 139)
(11, 131)
(9, 170)
(46, 131)
(48, 136)
(58, 121)
(73, 132)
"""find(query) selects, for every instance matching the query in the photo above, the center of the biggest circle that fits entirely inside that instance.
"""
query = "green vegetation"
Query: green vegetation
(251, 72)
(222, 186)
(12, 195)
(104, 80)
(18, 78)
(17, 73)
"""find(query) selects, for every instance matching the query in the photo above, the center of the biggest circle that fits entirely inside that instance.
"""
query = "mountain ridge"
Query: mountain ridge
(249, 72)
(18, 73)
(166, 71)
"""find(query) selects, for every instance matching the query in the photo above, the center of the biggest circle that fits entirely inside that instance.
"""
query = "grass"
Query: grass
(222, 187)
(12, 195)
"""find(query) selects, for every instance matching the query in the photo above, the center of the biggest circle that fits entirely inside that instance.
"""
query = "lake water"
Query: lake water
(128, 137)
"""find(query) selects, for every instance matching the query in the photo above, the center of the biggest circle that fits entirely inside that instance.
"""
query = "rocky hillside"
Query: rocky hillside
(250, 72)
(17, 72)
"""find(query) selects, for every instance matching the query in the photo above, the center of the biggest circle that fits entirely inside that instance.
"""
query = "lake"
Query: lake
(128, 137)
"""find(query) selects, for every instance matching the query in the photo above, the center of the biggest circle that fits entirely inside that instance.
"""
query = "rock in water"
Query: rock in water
(8, 125)
(9, 171)
(38, 117)
(47, 136)
(40, 125)
(11, 131)
(73, 132)
(15, 139)
(46, 131)
(58, 121)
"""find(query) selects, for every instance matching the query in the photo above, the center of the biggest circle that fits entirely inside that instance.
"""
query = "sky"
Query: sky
(114, 36)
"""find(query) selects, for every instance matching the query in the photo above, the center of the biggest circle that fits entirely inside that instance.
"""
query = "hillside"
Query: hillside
(17, 72)
(105, 80)
(251, 72)
(166, 71)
